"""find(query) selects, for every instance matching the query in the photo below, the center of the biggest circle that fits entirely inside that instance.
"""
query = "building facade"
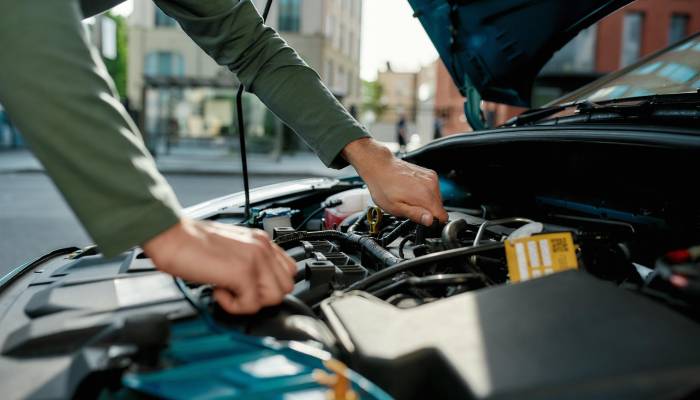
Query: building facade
(326, 33)
(183, 96)
(398, 95)
(618, 40)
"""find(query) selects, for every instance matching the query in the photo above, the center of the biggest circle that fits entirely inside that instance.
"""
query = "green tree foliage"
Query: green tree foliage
(117, 67)
(372, 98)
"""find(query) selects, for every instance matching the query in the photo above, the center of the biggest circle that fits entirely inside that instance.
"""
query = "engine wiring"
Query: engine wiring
(432, 280)
(497, 222)
(419, 262)
(198, 306)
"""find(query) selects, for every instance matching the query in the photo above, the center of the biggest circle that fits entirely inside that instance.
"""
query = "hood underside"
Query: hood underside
(499, 47)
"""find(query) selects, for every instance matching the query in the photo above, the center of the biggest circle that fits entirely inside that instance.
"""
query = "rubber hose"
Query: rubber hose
(398, 231)
(420, 261)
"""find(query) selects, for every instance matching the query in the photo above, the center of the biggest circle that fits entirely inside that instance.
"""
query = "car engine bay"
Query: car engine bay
(534, 288)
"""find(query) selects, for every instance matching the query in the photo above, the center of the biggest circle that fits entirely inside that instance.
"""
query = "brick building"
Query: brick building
(620, 39)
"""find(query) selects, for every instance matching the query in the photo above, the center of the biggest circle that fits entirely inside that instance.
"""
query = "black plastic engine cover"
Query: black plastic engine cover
(568, 335)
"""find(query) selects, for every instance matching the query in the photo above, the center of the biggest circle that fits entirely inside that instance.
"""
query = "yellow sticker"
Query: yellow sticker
(540, 255)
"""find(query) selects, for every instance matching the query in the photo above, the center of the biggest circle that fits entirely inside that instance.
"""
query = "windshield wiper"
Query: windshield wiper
(679, 107)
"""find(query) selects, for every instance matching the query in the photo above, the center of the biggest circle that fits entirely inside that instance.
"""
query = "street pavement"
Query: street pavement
(34, 218)
(202, 162)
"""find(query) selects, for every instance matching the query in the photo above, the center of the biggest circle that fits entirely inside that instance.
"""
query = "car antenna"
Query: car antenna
(241, 132)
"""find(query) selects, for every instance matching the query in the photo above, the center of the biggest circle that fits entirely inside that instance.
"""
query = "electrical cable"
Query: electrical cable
(433, 280)
(309, 217)
(198, 306)
(398, 231)
(357, 223)
(366, 243)
(241, 132)
(497, 222)
(419, 261)
(324, 205)
(403, 244)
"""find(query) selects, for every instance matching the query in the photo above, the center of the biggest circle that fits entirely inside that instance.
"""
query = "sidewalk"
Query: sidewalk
(299, 164)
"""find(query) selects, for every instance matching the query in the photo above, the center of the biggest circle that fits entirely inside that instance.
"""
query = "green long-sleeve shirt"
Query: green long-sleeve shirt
(57, 91)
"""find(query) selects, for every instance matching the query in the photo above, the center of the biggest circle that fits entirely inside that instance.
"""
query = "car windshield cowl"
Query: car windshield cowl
(681, 106)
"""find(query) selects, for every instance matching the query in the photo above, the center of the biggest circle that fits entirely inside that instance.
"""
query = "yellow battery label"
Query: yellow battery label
(540, 255)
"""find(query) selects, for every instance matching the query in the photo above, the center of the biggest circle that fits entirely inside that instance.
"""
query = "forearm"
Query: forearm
(62, 100)
(298, 97)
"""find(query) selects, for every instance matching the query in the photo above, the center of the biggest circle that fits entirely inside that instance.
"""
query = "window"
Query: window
(341, 81)
(351, 46)
(679, 28)
(289, 12)
(632, 26)
(330, 73)
(164, 63)
(163, 20)
(330, 27)
(343, 40)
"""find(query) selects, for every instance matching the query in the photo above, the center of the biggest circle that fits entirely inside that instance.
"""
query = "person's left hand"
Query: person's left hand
(398, 187)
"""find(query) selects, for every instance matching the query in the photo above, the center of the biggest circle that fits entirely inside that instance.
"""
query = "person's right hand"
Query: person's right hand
(248, 270)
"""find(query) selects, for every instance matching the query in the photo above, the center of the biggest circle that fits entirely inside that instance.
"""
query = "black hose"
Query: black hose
(369, 245)
(417, 262)
(198, 306)
(324, 205)
(357, 223)
(398, 231)
(351, 220)
(298, 306)
(403, 244)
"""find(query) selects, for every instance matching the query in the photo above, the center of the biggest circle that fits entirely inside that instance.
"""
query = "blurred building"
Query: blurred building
(326, 33)
(428, 124)
(398, 94)
(397, 98)
(620, 39)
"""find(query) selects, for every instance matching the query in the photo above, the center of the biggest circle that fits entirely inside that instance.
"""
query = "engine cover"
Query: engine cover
(567, 335)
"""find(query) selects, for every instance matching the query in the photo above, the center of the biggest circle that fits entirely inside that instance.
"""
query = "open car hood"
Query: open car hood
(495, 49)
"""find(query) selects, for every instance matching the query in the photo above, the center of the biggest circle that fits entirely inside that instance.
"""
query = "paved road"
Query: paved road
(34, 218)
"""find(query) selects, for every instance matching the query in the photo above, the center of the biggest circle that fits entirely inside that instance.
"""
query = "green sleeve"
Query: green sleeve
(233, 34)
(57, 91)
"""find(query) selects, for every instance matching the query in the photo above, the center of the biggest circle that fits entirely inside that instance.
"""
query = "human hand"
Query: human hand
(248, 270)
(401, 188)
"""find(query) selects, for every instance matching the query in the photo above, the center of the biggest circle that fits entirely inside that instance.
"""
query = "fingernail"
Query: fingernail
(426, 219)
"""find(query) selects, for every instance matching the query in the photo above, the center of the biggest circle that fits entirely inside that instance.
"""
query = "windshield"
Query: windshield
(673, 70)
